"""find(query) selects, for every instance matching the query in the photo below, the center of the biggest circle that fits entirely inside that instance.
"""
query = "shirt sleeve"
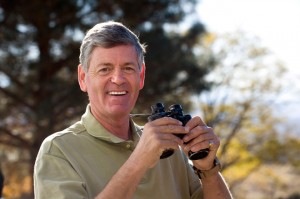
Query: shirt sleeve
(55, 178)
(194, 182)
(197, 190)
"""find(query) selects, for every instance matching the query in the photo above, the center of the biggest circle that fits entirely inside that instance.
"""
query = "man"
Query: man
(106, 155)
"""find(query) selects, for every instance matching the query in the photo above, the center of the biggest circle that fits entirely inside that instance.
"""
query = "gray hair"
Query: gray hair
(108, 35)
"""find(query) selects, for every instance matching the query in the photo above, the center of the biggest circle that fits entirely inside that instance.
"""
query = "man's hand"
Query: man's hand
(157, 136)
(200, 137)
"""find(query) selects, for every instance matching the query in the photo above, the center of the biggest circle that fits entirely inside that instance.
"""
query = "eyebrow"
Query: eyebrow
(103, 64)
(110, 64)
(129, 63)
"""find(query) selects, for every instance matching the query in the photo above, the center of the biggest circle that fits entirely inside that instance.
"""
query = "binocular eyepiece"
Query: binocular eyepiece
(175, 111)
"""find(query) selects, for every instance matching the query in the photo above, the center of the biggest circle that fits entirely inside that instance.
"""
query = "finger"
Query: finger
(165, 121)
(172, 129)
(211, 144)
(164, 124)
(168, 137)
(170, 144)
(196, 132)
(195, 121)
(202, 138)
(168, 125)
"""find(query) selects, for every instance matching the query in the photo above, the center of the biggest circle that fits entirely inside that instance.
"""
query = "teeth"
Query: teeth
(117, 93)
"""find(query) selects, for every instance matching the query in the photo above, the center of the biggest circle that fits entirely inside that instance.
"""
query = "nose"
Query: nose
(118, 77)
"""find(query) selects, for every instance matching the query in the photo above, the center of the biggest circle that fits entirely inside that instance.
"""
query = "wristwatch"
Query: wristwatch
(206, 173)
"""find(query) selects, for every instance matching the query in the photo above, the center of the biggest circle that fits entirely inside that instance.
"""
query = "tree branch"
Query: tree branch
(16, 97)
(15, 138)
(236, 127)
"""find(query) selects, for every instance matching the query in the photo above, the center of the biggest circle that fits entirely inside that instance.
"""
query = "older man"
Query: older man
(105, 154)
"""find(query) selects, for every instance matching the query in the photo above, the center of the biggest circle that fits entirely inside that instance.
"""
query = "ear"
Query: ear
(142, 76)
(81, 78)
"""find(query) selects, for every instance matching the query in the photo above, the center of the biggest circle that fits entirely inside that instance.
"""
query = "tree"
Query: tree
(246, 82)
(39, 55)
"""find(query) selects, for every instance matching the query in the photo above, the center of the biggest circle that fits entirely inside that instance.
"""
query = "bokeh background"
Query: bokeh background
(235, 63)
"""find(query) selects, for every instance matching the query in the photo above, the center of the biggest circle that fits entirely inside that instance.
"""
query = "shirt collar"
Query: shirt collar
(95, 129)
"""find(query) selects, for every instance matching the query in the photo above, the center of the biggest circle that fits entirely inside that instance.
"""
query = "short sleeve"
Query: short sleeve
(55, 178)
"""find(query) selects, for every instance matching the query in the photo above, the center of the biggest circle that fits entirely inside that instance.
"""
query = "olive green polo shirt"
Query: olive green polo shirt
(79, 161)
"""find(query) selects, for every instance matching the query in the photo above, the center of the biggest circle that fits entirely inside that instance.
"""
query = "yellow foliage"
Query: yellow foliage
(243, 167)
(17, 183)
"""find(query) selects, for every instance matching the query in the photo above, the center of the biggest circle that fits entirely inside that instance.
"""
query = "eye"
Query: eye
(104, 70)
(129, 69)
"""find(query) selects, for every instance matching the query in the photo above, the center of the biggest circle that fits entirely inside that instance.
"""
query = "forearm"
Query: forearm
(123, 184)
(214, 187)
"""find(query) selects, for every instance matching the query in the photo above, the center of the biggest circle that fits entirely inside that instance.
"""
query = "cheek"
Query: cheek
(95, 95)
(94, 87)
(136, 86)
(97, 87)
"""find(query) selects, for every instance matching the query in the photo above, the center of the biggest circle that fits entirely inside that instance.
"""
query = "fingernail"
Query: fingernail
(187, 129)
(185, 139)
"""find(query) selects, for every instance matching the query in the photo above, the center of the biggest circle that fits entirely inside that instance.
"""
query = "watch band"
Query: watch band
(206, 173)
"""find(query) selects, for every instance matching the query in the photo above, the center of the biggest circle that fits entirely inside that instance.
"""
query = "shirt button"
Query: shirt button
(128, 146)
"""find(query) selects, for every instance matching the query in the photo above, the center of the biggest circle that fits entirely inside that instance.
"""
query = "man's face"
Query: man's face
(113, 81)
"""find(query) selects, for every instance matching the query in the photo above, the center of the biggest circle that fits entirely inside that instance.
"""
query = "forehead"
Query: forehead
(117, 52)
(115, 56)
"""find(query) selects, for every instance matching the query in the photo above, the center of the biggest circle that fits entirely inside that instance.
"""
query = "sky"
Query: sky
(275, 22)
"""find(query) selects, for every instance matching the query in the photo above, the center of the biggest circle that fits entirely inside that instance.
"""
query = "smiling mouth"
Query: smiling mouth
(117, 93)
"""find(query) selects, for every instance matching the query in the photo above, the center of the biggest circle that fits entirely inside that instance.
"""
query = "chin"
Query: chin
(120, 110)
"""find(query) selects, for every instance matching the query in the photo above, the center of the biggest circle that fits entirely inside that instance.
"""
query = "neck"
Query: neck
(119, 127)
(121, 130)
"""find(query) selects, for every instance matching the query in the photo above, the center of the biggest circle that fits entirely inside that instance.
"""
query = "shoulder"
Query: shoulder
(63, 136)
